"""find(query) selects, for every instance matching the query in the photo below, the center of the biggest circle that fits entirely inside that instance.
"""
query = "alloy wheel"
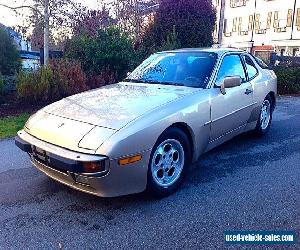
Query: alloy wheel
(265, 114)
(167, 162)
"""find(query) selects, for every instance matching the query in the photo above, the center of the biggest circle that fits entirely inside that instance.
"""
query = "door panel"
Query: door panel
(230, 111)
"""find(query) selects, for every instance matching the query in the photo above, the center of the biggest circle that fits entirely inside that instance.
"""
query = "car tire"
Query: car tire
(169, 160)
(265, 117)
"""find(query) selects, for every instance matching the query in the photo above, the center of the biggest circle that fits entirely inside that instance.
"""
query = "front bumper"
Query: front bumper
(59, 158)
(114, 180)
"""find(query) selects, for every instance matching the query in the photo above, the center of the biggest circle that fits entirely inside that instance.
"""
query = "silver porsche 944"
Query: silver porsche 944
(143, 133)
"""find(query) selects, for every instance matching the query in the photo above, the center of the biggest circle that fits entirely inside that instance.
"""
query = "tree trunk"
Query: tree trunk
(46, 33)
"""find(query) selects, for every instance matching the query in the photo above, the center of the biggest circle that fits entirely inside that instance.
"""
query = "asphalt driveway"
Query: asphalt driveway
(245, 184)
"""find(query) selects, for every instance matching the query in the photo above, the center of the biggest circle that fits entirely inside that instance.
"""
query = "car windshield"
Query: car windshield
(191, 69)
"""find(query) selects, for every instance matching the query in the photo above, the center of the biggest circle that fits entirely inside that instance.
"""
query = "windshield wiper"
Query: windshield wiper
(152, 82)
(176, 83)
(133, 80)
(165, 83)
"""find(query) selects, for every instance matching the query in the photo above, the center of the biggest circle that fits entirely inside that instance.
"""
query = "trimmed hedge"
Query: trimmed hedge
(288, 79)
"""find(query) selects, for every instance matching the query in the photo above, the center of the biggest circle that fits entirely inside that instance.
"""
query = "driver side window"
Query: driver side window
(231, 66)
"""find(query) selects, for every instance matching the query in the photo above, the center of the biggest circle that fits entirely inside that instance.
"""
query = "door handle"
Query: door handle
(248, 91)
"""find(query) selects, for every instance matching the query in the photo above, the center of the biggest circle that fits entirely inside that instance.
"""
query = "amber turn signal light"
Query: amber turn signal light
(129, 160)
(92, 167)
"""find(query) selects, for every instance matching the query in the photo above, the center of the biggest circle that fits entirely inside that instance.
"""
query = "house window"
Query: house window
(269, 20)
(225, 26)
(240, 24)
(298, 18)
(257, 22)
(289, 18)
(237, 3)
(225, 30)
(276, 21)
(250, 24)
(234, 24)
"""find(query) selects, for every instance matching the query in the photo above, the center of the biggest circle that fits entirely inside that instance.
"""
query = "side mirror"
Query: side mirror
(230, 82)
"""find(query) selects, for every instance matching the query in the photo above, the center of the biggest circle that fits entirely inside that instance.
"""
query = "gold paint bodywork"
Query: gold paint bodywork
(126, 119)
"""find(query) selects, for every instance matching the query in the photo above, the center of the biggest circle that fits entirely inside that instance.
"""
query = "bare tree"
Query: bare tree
(134, 15)
(46, 32)
(55, 15)
(90, 22)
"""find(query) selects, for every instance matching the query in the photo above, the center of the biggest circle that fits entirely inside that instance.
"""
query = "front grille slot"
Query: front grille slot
(47, 163)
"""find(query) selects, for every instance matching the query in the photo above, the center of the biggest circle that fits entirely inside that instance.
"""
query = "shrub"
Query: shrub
(171, 42)
(25, 85)
(1, 85)
(9, 84)
(288, 79)
(60, 79)
(35, 85)
(109, 49)
(9, 54)
(106, 76)
(68, 78)
(1, 88)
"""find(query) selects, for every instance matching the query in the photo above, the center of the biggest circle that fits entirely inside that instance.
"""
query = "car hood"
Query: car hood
(67, 133)
(114, 106)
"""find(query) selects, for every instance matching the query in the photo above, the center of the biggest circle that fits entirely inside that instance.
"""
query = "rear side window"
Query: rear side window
(231, 66)
(250, 67)
(260, 62)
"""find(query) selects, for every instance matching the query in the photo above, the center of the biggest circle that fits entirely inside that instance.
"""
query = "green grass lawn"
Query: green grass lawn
(10, 125)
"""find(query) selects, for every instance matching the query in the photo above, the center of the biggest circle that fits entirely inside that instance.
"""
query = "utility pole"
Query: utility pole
(221, 22)
(46, 32)
(293, 19)
(138, 18)
(253, 27)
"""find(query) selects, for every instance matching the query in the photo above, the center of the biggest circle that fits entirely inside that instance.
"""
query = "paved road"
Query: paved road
(244, 184)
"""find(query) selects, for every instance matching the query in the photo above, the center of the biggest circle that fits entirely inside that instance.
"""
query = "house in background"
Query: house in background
(29, 59)
(259, 26)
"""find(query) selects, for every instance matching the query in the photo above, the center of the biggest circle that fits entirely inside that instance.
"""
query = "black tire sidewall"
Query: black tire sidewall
(172, 133)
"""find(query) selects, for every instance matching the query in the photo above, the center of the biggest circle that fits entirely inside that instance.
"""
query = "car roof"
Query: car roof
(219, 51)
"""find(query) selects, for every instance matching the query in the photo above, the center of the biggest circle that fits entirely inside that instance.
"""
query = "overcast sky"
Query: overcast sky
(9, 18)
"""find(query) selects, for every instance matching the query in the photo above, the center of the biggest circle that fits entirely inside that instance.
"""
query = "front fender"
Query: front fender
(141, 134)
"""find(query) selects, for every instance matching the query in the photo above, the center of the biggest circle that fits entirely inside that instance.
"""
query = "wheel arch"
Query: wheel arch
(185, 128)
